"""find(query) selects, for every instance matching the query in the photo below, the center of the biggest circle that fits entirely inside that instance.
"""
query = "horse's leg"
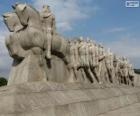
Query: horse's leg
(88, 74)
(84, 78)
(72, 75)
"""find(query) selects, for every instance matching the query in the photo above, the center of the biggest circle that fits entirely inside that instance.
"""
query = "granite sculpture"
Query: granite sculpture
(41, 54)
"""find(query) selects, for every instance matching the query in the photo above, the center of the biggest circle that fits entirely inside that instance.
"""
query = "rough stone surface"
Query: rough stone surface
(28, 70)
(137, 80)
(73, 99)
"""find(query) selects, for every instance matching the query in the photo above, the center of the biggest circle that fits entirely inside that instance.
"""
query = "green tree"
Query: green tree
(3, 81)
(137, 71)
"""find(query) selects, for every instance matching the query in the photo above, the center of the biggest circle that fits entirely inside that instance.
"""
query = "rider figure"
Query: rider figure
(49, 28)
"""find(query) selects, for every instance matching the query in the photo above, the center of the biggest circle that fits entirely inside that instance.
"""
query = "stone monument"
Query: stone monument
(54, 76)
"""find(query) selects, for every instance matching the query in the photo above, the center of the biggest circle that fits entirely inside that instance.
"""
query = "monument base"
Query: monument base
(73, 99)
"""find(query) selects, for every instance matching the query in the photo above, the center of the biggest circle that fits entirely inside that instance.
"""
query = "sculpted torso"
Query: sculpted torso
(48, 21)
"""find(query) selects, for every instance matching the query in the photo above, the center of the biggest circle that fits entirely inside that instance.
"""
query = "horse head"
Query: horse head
(12, 22)
(27, 14)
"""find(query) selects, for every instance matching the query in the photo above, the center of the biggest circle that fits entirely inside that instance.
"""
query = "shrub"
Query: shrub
(3, 81)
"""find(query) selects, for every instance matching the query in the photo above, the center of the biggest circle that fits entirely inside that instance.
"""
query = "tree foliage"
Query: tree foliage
(3, 81)
(137, 71)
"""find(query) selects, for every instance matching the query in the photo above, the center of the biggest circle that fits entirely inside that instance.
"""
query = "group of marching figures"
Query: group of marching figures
(100, 64)
(34, 34)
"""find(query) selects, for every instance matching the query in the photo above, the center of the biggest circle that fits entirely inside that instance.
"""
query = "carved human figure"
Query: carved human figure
(48, 21)
(72, 62)
(87, 43)
(79, 57)
(102, 68)
(91, 60)
(109, 65)
(116, 70)
(131, 74)
(126, 70)
(82, 52)
(82, 60)
(76, 53)
(123, 71)
(119, 60)
(91, 53)
(96, 54)
(95, 62)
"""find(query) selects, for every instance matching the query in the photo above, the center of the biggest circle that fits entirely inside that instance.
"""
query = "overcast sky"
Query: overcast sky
(106, 21)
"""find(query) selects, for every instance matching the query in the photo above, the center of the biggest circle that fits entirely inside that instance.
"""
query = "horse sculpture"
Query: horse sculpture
(12, 43)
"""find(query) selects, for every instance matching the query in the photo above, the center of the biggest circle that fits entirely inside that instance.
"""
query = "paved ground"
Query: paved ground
(132, 110)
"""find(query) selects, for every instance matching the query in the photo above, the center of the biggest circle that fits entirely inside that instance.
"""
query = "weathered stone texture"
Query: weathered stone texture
(137, 80)
(52, 99)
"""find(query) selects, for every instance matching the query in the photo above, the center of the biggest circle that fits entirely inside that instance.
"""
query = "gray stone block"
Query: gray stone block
(73, 99)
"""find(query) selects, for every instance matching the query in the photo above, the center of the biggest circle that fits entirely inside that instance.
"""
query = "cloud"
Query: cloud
(5, 60)
(64, 26)
(1, 19)
(3, 34)
(68, 11)
(127, 46)
(114, 30)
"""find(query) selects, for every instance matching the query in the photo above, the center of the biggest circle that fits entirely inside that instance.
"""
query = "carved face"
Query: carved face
(115, 62)
(21, 11)
(12, 22)
(46, 8)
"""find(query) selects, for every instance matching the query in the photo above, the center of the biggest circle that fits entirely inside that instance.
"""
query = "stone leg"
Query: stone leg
(71, 76)
(95, 71)
(84, 77)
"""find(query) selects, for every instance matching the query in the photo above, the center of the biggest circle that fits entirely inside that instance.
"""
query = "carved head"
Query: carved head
(46, 8)
(21, 11)
(27, 14)
(81, 39)
(12, 21)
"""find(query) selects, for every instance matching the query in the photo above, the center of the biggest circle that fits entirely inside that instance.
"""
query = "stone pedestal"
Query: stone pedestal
(137, 80)
(28, 70)
(52, 99)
